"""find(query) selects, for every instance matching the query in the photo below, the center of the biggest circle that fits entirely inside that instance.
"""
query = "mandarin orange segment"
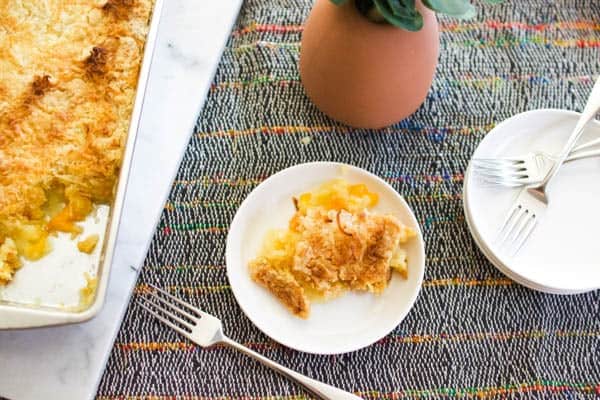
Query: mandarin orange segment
(76, 209)
(373, 199)
(358, 190)
(63, 222)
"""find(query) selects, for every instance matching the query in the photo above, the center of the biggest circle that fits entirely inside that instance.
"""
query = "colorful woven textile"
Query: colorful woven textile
(473, 333)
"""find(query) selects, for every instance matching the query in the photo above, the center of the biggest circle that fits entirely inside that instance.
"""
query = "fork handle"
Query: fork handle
(586, 145)
(589, 112)
(582, 154)
(319, 389)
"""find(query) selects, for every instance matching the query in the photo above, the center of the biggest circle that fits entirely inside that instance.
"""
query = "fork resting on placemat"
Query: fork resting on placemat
(207, 330)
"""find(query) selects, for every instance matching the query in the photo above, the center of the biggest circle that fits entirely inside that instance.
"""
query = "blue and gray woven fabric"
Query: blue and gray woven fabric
(472, 333)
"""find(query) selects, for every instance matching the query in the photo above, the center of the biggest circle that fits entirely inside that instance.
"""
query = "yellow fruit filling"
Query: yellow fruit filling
(88, 244)
(334, 243)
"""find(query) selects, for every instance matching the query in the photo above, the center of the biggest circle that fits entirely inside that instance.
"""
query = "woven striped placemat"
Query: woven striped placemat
(473, 333)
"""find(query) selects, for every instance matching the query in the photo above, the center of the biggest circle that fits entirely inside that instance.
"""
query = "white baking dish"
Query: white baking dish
(46, 292)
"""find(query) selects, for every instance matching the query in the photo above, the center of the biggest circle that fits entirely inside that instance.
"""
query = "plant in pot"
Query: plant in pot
(370, 63)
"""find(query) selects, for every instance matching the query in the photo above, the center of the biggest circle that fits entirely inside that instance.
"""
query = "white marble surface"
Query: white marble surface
(67, 362)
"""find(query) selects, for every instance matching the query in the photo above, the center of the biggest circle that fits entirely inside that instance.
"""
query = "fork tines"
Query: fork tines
(170, 310)
(517, 227)
(506, 171)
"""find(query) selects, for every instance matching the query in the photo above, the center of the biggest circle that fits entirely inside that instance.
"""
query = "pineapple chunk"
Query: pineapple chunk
(88, 244)
(31, 240)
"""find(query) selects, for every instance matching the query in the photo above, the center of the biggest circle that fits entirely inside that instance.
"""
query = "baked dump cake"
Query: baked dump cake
(334, 243)
(68, 74)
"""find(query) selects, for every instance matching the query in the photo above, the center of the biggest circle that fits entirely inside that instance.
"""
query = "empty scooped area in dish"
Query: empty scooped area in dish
(57, 279)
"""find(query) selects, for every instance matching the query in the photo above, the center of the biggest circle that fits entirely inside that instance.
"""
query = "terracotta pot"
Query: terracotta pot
(365, 74)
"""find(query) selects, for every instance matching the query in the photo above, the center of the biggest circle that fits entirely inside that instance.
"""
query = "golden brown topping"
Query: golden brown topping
(9, 261)
(40, 85)
(333, 243)
(95, 64)
(119, 8)
(283, 285)
(59, 127)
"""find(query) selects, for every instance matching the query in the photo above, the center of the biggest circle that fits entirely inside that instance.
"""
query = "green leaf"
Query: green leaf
(411, 4)
(396, 6)
(409, 21)
(403, 8)
(338, 2)
(454, 8)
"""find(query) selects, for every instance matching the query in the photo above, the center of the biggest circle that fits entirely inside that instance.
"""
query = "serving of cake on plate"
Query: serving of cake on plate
(334, 243)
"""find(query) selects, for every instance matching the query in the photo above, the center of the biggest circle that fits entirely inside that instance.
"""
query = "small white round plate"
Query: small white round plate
(562, 255)
(344, 324)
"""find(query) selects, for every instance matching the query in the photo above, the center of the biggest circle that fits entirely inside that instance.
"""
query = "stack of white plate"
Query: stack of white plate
(562, 255)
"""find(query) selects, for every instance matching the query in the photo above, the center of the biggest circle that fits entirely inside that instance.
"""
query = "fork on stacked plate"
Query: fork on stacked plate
(540, 208)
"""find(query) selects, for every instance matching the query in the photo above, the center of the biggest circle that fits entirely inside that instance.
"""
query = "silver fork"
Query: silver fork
(527, 169)
(532, 202)
(206, 330)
